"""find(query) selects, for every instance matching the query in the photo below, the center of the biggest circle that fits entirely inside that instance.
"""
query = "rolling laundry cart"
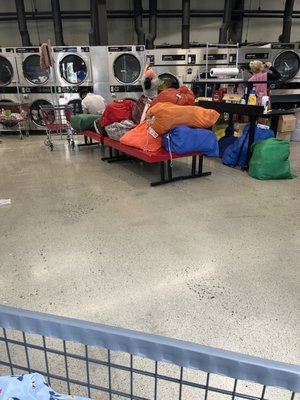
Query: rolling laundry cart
(57, 121)
(14, 116)
(103, 362)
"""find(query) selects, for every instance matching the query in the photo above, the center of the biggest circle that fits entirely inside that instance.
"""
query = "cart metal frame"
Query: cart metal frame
(19, 124)
(184, 355)
(57, 120)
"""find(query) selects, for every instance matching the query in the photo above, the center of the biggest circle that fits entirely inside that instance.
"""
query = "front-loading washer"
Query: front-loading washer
(9, 95)
(8, 67)
(37, 96)
(72, 65)
(29, 70)
(285, 58)
(170, 64)
(125, 68)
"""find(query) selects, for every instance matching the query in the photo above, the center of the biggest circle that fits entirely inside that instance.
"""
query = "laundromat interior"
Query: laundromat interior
(134, 266)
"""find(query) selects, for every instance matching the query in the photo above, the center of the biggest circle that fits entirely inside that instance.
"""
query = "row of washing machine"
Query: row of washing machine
(180, 66)
(115, 71)
(173, 66)
(22, 79)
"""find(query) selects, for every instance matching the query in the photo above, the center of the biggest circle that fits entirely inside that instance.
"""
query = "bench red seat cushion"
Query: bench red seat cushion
(93, 135)
(148, 156)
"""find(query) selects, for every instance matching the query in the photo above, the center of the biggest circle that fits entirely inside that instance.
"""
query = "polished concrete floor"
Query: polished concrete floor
(213, 260)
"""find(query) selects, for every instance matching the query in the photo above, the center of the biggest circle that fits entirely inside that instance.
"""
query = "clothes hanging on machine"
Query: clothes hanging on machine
(46, 59)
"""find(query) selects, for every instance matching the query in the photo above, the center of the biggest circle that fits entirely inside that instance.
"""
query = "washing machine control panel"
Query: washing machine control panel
(8, 89)
(282, 46)
(215, 57)
(27, 50)
(7, 50)
(150, 58)
(191, 59)
(232, 58)
(72, 89)
(118, 49)
(65, 49)
(125, 88)
(36, 89)
(173, 57)
(122, 49)
(257, 56)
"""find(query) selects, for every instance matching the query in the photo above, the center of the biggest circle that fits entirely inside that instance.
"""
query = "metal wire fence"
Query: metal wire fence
(102, 362)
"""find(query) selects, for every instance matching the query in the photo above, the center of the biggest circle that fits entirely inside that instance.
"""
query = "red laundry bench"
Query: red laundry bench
(121, 152)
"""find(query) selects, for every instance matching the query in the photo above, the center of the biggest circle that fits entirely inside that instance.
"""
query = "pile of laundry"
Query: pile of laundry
(171, 121)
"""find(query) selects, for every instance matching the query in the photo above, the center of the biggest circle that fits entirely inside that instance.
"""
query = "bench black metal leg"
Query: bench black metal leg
(200, 165)
(119, 156)
(200, 173)
(170, 172)
(194, 160)
(162, 170)
(91, 143)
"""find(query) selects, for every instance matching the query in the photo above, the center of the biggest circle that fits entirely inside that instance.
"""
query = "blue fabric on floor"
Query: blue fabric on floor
(236, 153)
(29, 387)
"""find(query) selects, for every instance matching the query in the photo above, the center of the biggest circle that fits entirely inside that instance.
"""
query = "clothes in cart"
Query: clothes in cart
(29, 386)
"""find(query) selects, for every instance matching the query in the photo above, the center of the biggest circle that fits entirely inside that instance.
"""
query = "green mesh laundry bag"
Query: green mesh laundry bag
(270, 160)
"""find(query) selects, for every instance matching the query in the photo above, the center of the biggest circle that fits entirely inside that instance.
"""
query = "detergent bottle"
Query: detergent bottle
(252, 98)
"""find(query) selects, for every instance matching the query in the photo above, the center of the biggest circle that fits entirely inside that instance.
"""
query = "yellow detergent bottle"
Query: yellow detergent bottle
(252, 98)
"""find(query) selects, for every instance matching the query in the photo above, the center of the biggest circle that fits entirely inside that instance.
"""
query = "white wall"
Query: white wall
(121, 31)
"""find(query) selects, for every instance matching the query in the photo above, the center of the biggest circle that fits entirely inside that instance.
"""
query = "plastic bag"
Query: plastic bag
(118, 129)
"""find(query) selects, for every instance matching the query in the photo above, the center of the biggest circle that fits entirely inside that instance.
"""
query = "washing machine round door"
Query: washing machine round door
(8, 124)
(168, 81)
(288, 64)
(76, 104)
(6, 71)
(73, 69)
(33, 72)
(35, 112)
(127, 68)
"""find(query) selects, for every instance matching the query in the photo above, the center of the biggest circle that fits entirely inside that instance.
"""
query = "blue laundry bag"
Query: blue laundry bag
(183, 139)
(236, 153)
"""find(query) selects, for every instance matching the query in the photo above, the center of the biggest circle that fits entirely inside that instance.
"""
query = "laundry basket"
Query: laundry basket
(104, 362)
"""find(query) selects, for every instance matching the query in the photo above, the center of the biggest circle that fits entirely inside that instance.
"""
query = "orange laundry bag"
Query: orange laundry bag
(142, 137)
(182, 97)
(164, 116)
